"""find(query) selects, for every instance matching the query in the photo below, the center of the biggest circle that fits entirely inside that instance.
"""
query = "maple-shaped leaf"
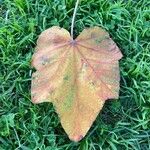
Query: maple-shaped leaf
(77, 76)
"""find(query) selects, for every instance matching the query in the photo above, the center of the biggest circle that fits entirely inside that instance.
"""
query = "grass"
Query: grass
(123, 124)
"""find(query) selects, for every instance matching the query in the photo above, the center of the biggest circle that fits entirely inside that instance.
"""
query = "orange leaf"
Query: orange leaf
(77, 76)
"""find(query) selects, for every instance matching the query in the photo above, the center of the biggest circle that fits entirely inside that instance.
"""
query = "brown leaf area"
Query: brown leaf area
(77, 76)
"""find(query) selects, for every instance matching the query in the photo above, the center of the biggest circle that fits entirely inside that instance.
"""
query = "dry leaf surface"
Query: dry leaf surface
(77, 76)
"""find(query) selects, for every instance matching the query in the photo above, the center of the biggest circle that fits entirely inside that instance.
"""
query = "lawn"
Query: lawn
(123, 124)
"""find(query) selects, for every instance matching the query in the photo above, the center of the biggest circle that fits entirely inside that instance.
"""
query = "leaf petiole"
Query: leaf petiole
(73, 18)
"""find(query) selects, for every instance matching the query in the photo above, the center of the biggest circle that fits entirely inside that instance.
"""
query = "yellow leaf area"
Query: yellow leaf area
(77, 76)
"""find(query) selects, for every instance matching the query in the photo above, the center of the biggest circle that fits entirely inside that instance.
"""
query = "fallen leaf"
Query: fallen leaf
(77, 76)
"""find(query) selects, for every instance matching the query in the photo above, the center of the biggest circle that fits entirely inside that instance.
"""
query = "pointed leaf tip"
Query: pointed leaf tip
(76, 138)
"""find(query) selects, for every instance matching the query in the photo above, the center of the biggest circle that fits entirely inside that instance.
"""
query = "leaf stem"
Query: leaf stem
(73, 18)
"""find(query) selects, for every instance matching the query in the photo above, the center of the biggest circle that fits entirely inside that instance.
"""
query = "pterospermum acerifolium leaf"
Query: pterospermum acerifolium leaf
(77, 76)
